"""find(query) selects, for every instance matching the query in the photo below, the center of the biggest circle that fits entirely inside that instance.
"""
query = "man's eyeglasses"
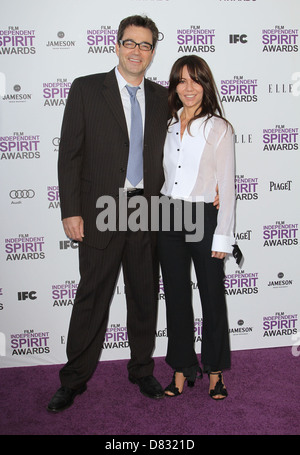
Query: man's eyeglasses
(130, 44)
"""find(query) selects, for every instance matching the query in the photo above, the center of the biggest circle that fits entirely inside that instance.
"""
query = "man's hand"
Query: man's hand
(73, 227)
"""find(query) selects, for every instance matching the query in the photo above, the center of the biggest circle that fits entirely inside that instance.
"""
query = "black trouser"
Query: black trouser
(99, 271)
(176, 256)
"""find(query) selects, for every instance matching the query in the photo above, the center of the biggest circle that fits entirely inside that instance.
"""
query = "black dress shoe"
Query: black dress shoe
(149, 386)
(64, 398)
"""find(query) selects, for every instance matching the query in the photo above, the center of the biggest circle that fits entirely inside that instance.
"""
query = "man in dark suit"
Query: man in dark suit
(93, 157)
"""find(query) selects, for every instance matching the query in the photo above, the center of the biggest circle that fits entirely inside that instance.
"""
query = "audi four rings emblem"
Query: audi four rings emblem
(22, 194)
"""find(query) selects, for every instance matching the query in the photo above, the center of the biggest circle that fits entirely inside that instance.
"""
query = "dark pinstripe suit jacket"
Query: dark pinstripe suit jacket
(94, 147)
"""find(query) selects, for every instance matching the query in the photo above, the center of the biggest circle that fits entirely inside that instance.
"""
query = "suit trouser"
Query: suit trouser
(176, 256)
(99, 270)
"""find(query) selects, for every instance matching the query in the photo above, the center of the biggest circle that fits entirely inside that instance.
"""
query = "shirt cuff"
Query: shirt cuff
(222, 243)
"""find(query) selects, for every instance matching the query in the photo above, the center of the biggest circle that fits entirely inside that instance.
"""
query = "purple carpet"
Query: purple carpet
(263, 399)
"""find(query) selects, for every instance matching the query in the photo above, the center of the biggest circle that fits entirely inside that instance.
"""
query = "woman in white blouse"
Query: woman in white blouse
(198, 157)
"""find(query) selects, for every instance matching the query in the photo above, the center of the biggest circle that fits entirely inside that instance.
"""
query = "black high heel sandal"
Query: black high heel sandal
(190, 376)
(219, 388)
(172, 388)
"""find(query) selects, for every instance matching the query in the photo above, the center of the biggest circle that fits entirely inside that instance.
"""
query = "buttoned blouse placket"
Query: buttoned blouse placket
(185, 159)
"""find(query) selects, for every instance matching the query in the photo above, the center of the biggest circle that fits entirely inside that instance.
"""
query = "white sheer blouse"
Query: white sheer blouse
(196, 164)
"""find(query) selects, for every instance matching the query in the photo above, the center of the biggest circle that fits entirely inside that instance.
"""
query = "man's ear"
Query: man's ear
(117, 48)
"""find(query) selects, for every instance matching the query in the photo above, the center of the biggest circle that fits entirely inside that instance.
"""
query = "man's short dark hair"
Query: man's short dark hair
(138, 21)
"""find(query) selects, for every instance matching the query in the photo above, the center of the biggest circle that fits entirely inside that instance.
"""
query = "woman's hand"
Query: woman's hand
(218, 254)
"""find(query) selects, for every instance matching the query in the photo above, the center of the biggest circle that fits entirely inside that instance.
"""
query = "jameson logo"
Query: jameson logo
(280, 39)
(280, 138)
(102, 41)
(60, 43)
(280, 234)
(17, 41)
(196, 39)
(115, 337)
(280, 324)
(18, 96)
(280, 282)
(30, 342)
(241, 329)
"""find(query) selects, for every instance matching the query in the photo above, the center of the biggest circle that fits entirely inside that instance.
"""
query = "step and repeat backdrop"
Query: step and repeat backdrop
(252, 47)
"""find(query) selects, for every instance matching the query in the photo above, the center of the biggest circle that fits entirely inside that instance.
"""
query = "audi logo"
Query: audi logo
(22, 194)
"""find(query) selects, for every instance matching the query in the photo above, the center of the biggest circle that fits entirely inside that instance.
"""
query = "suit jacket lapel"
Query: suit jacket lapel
(112, 95)
(150, 103)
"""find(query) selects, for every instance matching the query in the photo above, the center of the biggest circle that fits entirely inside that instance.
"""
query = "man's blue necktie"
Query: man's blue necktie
(135, 160)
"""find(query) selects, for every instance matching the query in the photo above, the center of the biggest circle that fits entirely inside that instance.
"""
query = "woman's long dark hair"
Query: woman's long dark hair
(200, 72)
